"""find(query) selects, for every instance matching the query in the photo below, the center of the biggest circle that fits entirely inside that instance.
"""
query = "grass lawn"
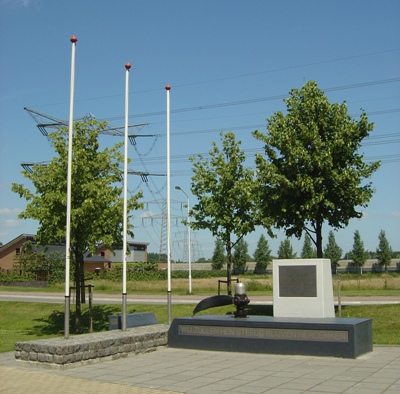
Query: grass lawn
(351, 285)
(25, 321)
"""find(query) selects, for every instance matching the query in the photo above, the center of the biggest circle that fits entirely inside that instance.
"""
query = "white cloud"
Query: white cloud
(17, 3)
(8, 211)
(11, 223)
(396, 214)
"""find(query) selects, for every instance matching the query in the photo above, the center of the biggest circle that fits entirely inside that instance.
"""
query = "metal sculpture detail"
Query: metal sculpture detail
(240, 300)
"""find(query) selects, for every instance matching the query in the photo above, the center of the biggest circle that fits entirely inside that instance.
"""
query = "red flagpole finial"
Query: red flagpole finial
(73, 39)
(128, 66)
(167, 87)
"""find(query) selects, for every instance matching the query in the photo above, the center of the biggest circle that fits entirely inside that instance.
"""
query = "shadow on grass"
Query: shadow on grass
(54, 323)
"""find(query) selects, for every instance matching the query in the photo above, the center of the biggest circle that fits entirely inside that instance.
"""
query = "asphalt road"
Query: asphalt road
(58, 298)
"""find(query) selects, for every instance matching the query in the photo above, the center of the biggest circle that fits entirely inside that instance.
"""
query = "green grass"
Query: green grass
(369, 284)
(25, 321)
(385, 321)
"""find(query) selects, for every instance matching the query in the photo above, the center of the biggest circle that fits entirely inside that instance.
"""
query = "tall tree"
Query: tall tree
(285, 250)
(313, 171)
(97, 205)
(308, 252)
(224, 189)
(358, 254)
(384, 251)
(240, 256)
(262, 254)
(333, 251)
(218, 257)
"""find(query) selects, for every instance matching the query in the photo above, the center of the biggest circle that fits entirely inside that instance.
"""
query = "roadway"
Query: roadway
(58, 298)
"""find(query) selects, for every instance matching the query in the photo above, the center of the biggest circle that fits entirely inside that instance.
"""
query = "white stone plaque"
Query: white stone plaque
(303, 288)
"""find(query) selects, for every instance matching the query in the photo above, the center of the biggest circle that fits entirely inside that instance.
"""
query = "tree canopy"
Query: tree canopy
(240, 256)
(307, 251)
(96, 201)
(262, 254)
(312, 171)
(332, 250)
(384, 251)
(224, 189)
(358, 254)
(285, 250)
(218, 257)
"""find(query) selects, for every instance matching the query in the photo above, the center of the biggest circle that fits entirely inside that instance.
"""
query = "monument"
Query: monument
(318, 334)
(303, 288)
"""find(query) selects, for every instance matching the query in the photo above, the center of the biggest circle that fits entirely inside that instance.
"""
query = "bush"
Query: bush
(141, 272)
(14, 276)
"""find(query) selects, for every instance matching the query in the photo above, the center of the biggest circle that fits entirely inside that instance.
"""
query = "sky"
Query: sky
(229, 63)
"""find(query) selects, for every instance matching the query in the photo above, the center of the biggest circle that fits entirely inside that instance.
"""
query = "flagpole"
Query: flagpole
(73, 40)
(168, 88)
(125, 218)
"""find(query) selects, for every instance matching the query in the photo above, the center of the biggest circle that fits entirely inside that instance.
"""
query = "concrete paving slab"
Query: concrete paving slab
(167, 371)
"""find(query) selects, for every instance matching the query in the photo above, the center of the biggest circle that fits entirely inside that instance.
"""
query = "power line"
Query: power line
(257, 100)
(236, 76)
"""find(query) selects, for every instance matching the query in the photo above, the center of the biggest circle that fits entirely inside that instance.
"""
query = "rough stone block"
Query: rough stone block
(33, 356)
(48, 358)
(89, 348)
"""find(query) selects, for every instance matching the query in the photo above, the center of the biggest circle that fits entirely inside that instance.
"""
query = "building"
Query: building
(102, 259)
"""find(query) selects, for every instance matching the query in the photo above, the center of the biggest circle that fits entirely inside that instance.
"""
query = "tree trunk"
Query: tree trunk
(318, 235)
(83, 292)
(78, 281)
(229, 266)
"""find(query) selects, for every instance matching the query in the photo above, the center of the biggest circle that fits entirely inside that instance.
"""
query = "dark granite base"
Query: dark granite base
(132, 320)
(348, 338)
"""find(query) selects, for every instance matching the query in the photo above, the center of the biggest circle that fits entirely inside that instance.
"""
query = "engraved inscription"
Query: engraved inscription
(297, 281)
(265, 333)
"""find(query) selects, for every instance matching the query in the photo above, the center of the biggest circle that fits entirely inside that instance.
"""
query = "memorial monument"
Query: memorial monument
(305, 326)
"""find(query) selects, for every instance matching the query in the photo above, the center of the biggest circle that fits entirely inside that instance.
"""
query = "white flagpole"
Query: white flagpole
(168, 88)
(69, 183)
(125, 218)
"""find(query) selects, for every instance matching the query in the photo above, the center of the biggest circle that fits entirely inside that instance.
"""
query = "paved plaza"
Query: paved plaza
(170, 370)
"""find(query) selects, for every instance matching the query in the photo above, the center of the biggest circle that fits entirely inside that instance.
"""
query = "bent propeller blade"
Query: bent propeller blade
(212, 302)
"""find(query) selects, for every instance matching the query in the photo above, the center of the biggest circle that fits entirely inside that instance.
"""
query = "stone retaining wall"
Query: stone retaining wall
(61, 353)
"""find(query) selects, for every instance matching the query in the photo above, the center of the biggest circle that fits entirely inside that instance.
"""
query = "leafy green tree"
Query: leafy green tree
(384, 251)
(285, 250)
(152, 257)
(38, 263)
(156, 257)
(240, 256)
(97, 205)
(308, 252)
(224, 190)
(358, 254)
(333, 251)
(262, 254)
(313, 171)
(218, 257)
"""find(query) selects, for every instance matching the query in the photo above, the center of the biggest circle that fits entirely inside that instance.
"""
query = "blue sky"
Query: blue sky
(230, 64)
